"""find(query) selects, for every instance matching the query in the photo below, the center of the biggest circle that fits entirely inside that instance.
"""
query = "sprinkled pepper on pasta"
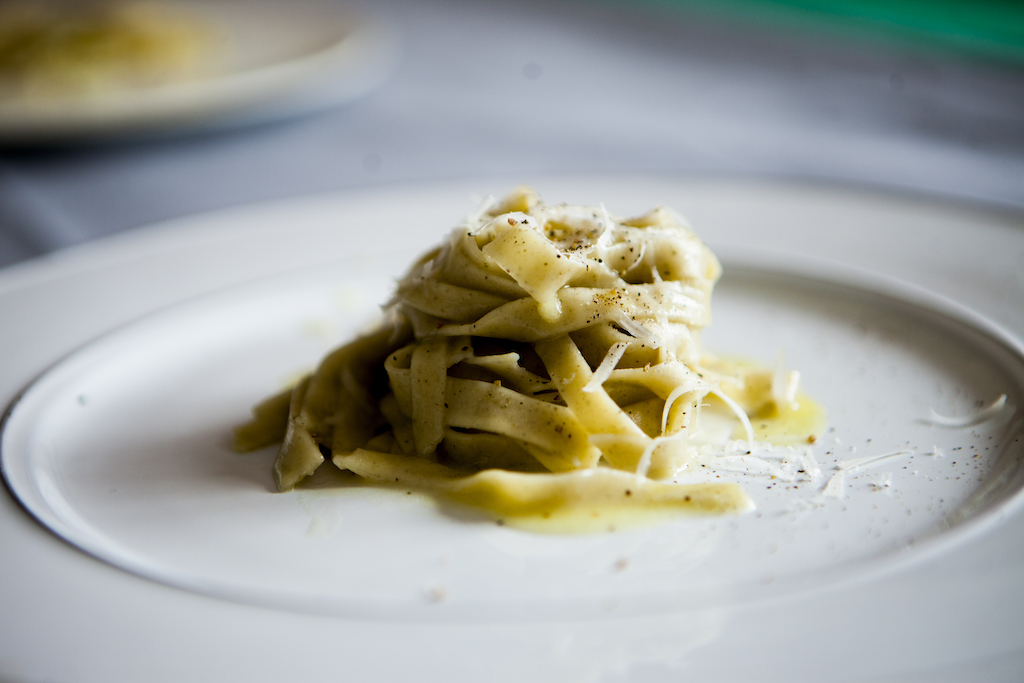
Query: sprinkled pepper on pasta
(541, 356)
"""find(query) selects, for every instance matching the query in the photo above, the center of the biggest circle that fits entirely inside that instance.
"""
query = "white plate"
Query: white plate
(121, 448)
(273, 60)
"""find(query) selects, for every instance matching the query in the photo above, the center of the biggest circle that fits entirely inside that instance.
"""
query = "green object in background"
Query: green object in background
(992, 29)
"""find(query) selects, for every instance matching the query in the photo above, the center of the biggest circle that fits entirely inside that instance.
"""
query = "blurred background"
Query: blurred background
(258, 101)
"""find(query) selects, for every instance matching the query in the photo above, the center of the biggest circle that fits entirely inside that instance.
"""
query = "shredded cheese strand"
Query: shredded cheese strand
(604, 370)
(858, 463)
(671, 401)
(643, 466)
(735, 407)
(984, 415)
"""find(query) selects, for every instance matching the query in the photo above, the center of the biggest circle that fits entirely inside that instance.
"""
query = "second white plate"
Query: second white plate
(268, 61)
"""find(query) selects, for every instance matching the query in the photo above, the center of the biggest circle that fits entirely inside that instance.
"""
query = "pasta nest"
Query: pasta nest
(536, 338)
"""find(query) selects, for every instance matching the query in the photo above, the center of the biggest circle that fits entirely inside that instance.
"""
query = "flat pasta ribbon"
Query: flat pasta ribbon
(536, 339)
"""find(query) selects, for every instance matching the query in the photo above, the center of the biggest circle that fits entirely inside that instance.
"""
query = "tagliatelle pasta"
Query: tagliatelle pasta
(542, 360)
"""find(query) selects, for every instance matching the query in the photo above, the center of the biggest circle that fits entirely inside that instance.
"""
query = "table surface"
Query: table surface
(538, 89)
(492, 89)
